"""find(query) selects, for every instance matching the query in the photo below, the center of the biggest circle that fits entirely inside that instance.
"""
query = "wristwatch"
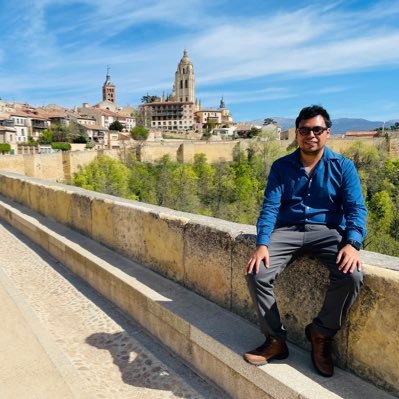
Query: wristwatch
(355, 244)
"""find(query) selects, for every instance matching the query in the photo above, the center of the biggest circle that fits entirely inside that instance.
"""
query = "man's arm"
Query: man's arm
(266, 222)
(271, 204)
(355, 213)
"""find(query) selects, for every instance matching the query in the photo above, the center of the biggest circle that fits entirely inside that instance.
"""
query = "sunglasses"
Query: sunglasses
(317, 130)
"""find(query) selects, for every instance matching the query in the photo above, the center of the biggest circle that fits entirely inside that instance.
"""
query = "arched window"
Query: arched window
(181, 84)
(186, 83)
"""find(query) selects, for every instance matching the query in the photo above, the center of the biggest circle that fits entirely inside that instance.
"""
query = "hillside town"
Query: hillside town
(22, 125)
(107, 125)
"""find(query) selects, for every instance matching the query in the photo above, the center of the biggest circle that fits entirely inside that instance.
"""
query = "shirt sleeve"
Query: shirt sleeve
(271, 205)
(355, 211)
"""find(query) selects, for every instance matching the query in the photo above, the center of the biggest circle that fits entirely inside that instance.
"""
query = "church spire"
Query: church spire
(222, 104)
(108, 88)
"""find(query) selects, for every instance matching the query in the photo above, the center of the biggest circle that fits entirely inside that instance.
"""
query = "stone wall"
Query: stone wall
(207, 255)
(62, 166)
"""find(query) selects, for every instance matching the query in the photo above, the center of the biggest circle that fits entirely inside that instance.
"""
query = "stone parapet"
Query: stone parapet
(62, 166)
(207, 255)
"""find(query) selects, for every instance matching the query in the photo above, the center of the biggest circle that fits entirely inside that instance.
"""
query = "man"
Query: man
(313, 204)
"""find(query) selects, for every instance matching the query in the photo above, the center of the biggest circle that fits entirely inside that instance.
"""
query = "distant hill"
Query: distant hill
(339, 126)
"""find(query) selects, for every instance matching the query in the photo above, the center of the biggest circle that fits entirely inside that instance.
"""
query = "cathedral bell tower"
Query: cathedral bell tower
(184, 80)
(109, 89)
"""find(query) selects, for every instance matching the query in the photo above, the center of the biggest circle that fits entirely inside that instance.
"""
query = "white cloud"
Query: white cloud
(314, 40)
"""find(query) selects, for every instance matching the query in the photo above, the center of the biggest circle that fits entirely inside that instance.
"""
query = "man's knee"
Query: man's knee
(263, 277)
(354, 279)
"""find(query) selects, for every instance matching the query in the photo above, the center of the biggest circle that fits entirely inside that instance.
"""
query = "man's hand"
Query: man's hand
(348, 258)
(261, 254)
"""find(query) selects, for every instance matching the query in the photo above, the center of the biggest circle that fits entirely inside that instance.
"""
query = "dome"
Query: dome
(186, 59)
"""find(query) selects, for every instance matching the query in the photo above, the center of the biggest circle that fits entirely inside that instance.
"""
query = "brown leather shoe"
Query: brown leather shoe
(273, 348)
(321, 350)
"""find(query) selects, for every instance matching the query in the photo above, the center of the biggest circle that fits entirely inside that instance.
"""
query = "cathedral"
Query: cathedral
(181, 111)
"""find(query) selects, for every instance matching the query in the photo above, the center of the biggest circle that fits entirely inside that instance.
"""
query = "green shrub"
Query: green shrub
(4, 147)
(139, 133)
(61, 146)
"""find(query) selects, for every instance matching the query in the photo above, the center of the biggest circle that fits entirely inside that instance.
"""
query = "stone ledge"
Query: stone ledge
(206, 336)
(207, 255)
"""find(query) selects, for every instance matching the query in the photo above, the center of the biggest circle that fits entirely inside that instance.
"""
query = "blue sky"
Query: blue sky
(267, 58)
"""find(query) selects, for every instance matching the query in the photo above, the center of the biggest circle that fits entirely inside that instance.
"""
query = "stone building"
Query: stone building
(176, 111)
(109, 89)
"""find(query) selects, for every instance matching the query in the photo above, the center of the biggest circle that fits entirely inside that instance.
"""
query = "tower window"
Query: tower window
(186, 83)
(181, 84)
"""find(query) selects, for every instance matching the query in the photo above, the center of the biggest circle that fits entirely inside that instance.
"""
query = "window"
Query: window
(186, 83)
(181, 84)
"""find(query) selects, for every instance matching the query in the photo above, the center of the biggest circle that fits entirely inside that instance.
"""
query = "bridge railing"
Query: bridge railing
(207, 255)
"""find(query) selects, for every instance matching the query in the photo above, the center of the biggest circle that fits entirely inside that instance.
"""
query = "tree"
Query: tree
(269, 121)
(4, 148)
(164, 172)
(60, 133)
(142, 181)
(395, 126)
(76, 133)
(254, 132)
(46, 137)
(116, 125)
(381, 211)
(150, 99)
(139, 133)
(105, 175)
(205, 183)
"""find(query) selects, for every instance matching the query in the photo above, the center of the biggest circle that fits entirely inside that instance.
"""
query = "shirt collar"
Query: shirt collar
(327, 155)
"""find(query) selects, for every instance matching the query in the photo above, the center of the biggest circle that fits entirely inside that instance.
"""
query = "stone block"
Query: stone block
(57, 249)
(163, 236)
(81, 213)
(102, 221)
(128, 227)
(23, 192)
(59, 205)
(226, 367)
(374, 329)
(169, 317)
(241, 301)
(169, 337)
(35, 196)
(76, 261)
(207, 262)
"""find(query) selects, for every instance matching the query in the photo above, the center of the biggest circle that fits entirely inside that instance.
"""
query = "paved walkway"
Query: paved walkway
(60, 339)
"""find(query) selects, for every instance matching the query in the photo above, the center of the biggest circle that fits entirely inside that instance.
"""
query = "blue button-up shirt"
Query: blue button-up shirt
(331, 195)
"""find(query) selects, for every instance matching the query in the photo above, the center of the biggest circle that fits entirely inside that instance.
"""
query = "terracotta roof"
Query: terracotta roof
(93, 127)
(7, 129)
(361, 134)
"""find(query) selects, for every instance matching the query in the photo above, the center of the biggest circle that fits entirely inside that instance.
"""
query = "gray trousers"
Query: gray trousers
(287, 242)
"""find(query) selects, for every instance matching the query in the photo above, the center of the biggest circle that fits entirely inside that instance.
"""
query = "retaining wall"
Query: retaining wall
(207, 255)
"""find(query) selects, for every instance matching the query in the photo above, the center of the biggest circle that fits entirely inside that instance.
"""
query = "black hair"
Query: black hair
(311, 112)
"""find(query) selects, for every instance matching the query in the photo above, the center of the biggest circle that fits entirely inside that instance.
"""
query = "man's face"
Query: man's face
(312, 141)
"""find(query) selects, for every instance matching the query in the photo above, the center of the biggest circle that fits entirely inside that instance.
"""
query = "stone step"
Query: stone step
(209, 338)
(60, 339)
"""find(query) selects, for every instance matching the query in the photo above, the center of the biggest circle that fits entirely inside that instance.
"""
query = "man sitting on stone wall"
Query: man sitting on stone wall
(313, 204)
